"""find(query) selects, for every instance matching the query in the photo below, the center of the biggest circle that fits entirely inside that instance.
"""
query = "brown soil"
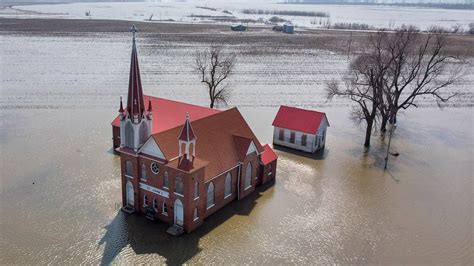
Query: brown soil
(332, 40)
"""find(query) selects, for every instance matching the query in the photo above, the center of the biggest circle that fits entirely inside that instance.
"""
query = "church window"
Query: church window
(155, 168)
(210, 195)
(178, 185)
(165, 180)
(143, 171)
(129, 169)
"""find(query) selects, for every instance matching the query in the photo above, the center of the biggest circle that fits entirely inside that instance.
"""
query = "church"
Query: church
(180, 162)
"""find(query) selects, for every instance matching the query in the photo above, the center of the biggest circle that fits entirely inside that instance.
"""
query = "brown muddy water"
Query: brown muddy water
(60, 182)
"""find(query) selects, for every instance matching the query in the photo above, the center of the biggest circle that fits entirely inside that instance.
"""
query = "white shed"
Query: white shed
(300, 129)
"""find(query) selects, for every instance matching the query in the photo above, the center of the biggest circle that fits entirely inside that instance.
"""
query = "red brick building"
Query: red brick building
(180, 162)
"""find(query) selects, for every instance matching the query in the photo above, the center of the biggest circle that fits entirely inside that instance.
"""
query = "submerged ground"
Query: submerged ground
(60, 182)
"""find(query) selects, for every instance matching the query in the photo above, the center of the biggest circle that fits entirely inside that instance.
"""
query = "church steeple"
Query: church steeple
(135, 105)
(135, 122)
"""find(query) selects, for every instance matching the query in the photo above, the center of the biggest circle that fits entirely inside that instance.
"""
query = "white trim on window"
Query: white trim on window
(228, 196)
(178, 194)
(196, 198)
(248, 187)
(211, 206)
(129, 176)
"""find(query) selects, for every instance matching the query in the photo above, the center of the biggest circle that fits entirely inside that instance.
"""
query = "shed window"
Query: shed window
(303, 140)
(292, 137)
(165, 209)
(281, 135)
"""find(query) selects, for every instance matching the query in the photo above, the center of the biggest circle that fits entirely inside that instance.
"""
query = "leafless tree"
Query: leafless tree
(363, 85)
(214, 67)
(418, 66)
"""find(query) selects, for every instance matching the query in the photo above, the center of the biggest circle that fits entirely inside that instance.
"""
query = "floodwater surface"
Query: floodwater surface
(60, 183)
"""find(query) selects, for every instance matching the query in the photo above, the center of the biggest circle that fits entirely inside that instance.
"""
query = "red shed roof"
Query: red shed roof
(169, 114)
(298, 119)
(268, 155)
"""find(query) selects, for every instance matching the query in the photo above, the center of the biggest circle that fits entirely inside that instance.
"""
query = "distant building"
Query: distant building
(300, 129)
(181, 163)
(288, 27)
(239, 27)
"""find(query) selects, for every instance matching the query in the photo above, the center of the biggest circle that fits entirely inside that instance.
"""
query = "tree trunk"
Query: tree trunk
(211, 105)
(383, 125)
(368, 133)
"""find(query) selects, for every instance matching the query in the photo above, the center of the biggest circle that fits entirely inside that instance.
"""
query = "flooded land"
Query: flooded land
(60, 181)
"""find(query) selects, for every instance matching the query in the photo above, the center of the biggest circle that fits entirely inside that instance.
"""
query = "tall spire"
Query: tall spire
(135, 105)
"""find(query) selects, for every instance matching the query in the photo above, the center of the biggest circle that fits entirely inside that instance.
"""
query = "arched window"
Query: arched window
(145, 201)
(178, 185)
(165, 209)
(228, 185)
(129, 135)
(196, 189)
(129, 168)
(248, 176)
(195, 216)
(143, 171)
(166, 180)
(143, 133)
(155, 204)
(210, 195)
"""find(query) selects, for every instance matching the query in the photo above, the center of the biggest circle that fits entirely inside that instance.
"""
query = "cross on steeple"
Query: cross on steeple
(134, 30)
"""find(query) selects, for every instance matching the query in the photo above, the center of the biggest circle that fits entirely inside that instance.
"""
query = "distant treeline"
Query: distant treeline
(286, 13)
(465, 5)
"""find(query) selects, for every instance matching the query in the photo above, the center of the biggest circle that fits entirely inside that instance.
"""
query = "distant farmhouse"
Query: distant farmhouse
(181, 163)
(300, 129)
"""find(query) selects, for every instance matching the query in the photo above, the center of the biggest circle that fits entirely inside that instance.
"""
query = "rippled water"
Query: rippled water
(60, 183)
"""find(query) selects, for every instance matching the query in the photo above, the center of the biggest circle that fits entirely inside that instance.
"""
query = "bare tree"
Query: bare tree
(364, 85)
(214, 67)
(418, 66)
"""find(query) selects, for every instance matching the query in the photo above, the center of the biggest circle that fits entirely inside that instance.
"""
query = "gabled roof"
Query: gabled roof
(216, 144)
(168, 114)
(241, 146)
(298, 119)
(268, 155)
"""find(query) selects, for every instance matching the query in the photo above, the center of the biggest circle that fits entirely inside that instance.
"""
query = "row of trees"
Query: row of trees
(395, 71)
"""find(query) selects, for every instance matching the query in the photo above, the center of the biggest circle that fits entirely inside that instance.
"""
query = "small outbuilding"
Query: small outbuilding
(239, 27)
(300, 129)
(288, 27)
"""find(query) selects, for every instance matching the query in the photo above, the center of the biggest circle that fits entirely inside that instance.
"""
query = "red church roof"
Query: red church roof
(216, 147)
(169, 114)
(268, 155)
(298, 119)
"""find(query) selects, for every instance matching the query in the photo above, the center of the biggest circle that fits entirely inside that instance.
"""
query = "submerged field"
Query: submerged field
(60, 183)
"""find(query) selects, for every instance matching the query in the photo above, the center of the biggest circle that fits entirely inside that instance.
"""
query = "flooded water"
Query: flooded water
(60, 182)
(191, 11)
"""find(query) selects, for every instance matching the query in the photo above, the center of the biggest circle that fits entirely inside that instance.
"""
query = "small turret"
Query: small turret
(187, 137)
